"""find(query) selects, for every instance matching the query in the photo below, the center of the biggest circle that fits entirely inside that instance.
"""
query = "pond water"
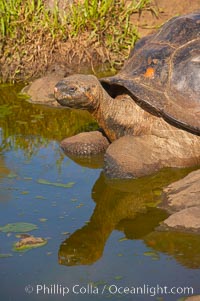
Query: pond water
(102, 238)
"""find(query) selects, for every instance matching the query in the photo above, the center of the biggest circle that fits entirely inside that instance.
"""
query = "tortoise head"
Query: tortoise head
(78, 91)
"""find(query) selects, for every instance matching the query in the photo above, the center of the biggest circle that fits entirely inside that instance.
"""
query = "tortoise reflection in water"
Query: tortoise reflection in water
(151, 108)
(113, 205)
(124, 208)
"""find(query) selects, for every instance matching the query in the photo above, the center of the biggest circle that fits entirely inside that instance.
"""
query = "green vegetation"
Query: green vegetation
(5, 255)
(33, 37)
(18, 227)
(107, 21)
(23, 246)
(45, 182)
(19, 19)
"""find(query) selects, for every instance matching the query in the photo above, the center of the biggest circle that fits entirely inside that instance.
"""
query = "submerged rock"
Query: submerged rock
(40, 91)
(85, 144)
(182, 199)
(186, 219)
(183, 193)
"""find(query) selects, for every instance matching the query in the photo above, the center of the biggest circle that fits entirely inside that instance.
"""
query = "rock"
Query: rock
(85, 144)
(41, 90)
(183, 193)
(187, 220)
(182, 199)
(139, 156)
(29, 242)
(193, 298)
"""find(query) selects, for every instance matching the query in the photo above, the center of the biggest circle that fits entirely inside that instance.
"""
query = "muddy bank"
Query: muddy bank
(40, 52)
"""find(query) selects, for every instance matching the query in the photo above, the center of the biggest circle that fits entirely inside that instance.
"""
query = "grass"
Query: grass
(19, 18)
(107, 20)
(30, 32)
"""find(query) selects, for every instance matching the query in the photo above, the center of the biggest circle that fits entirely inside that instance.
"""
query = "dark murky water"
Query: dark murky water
(101, 235)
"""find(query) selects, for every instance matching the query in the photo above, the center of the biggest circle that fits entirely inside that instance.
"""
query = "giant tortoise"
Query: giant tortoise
(150, 110)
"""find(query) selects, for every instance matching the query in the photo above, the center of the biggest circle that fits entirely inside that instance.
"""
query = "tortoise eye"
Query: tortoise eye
(72, 89)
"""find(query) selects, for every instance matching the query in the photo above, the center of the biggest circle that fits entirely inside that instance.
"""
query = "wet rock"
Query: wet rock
(193, 298)
(183, 193)
(132, 157)
(85, 144)
(182, 199)
(186, 220)
(41, 90)
(29, 242)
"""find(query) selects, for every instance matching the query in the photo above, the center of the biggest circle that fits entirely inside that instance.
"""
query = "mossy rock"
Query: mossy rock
(28, 243)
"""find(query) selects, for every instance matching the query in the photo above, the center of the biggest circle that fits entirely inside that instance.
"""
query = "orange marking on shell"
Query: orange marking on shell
(150, 72)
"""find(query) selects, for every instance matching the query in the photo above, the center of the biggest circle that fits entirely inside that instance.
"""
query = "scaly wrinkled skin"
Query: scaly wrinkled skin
(119, 116)
(151, 143)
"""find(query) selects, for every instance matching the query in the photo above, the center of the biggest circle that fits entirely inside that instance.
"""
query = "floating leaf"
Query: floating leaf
(122, 239)
(98, 283)
(74, 200)
(152, 254)
(45, 182)
(18, 227)
(118, 277)
(5, 255)
(12, 175)
(65, 233)
(40, 197)
(25, 192)
(43, 220)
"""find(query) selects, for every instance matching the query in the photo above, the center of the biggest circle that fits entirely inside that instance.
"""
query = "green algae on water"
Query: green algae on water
(45, 182)
(6, 255)
(18, 227)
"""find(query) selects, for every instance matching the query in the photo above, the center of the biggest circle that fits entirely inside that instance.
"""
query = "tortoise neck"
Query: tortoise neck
(103, 109)
(102, 103)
